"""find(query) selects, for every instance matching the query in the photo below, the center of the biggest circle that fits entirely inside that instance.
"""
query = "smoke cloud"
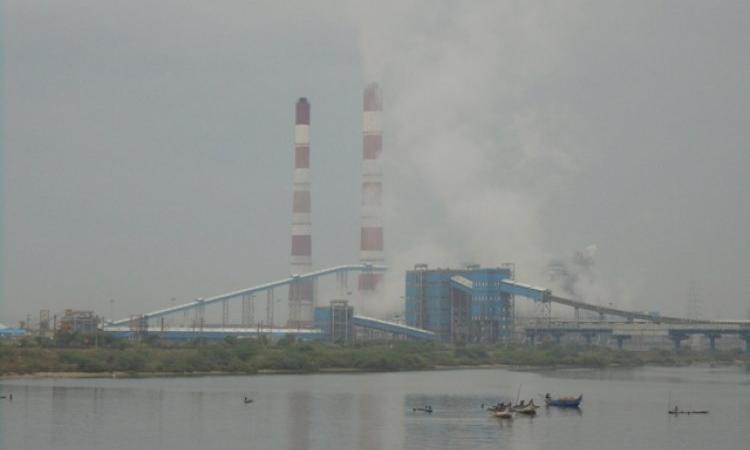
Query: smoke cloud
(473, 159)
(571, 272)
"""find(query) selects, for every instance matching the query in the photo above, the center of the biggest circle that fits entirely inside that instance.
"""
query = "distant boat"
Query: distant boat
(676, 410)
(563, 402)
(503, 414)
(528, 410)
(247, 400)
(427, 409)
(679, 411)
(497, 407)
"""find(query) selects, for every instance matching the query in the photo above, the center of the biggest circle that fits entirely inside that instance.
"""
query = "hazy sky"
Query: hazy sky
(148, 144)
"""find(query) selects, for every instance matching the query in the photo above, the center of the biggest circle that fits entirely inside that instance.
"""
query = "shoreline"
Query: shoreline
(338, 371)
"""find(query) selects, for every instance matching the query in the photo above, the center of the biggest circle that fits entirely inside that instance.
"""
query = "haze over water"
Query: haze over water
(622, 409)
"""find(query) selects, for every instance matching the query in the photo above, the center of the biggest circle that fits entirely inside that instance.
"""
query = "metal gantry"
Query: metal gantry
(198, 306)
(269, 308)
(224, 313)
(248, 310)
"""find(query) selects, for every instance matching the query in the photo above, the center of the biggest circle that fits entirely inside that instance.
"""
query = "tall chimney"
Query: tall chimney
(371, 235)
(301, 292)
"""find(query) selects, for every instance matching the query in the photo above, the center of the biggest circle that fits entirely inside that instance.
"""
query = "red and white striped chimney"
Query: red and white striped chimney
(301, 292)
(371, 236)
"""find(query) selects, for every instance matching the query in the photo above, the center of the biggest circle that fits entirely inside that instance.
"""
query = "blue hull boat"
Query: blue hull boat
(564, 402)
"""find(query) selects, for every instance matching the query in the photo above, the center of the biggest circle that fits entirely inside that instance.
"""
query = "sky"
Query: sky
(147, 146)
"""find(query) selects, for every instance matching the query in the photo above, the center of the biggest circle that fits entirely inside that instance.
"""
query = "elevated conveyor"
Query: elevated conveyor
(256, 289)
(540, 294)
(630, 315)
(511, 287)
(393, 328)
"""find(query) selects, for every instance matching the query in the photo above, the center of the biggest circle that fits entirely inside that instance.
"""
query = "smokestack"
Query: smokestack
(371, 236)
(301, 292)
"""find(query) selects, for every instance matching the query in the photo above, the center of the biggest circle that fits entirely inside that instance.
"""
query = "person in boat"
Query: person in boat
(531, 403)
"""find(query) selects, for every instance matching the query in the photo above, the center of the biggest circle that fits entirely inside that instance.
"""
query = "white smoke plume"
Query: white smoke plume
(570, 273)
(473, 155)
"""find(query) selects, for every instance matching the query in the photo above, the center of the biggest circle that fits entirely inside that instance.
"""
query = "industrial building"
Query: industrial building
(335, 322)
(460, 305)
(73, 321)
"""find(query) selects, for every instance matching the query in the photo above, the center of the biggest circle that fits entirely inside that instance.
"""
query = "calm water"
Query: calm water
(622, 409)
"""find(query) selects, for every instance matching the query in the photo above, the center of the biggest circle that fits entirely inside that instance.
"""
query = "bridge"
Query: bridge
(622, 331)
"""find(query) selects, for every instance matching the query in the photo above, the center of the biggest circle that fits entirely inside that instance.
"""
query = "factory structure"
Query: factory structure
(301, 293)
(371, 250)
(466, 305)
(469, 304)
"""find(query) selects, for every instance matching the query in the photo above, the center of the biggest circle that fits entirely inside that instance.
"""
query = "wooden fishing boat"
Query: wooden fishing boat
(525, 407)
(563, 402)
(496, 407)
(528, 410)
(503, 414)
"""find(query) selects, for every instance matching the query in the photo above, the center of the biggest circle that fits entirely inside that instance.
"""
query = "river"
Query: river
(622, 409)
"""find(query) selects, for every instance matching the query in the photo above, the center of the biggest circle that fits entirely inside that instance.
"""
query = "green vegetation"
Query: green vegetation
(151, 356)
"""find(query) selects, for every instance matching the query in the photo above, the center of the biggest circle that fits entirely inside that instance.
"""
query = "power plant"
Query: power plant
(471, 304)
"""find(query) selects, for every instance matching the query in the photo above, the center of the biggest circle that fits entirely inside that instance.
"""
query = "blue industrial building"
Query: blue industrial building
(335, 321)
(338, 321)
(461, 305)
(11, 332)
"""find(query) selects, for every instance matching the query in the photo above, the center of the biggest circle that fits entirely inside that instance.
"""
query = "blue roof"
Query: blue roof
(5, 332)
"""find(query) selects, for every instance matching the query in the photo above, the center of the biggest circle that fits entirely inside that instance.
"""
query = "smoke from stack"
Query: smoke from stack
(301, 292)
(371, 235)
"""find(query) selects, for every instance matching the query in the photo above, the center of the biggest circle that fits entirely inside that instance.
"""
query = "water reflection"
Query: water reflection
(547, 411)
(369, 412)
(370, 423)
(300, 409)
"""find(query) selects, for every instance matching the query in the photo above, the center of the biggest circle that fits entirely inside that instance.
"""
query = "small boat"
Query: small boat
(497, 407)
(248, 400)
(679, 411)
(525, 408)
(563, 402)
(427, 409)
(503, 414)
(529, 410)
